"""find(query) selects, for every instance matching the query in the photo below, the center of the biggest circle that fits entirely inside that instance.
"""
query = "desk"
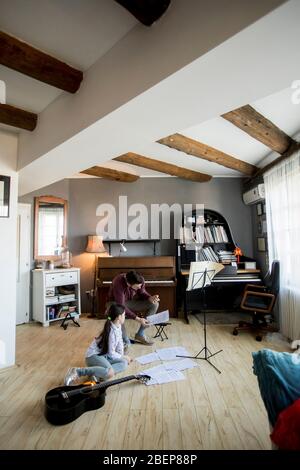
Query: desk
(243, 276)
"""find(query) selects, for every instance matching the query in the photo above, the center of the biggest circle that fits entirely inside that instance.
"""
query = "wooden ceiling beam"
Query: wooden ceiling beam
(163, 167)
(146, 11)
(22, 57)
(259, 127)
(110, 174)
(200, 150)
(295, 146)
(16, 117)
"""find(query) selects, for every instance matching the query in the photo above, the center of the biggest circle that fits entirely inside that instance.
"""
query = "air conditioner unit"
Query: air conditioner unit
(254, 195)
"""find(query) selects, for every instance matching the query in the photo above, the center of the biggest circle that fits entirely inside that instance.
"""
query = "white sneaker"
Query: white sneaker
(72, 377)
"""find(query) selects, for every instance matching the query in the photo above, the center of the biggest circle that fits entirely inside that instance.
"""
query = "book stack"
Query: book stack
(65, 310)
(226, 257)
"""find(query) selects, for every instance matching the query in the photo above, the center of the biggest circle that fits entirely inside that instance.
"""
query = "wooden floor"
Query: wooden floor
(206, 411)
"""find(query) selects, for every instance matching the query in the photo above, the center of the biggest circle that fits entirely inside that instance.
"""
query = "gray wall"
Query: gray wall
(261, 257)
(84, 195)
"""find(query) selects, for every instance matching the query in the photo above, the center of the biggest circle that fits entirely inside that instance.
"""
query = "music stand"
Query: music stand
(67, 318)
(201, 275)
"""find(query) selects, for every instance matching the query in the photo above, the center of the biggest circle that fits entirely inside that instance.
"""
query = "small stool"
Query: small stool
(160, 331)
(67, 318)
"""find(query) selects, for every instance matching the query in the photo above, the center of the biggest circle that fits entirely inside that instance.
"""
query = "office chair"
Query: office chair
(260, 301)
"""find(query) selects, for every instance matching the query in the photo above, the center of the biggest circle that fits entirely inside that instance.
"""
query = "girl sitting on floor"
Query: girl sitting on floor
(105, 355)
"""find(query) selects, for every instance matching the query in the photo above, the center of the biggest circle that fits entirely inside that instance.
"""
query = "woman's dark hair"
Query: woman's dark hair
(102, 340)
(132, 277)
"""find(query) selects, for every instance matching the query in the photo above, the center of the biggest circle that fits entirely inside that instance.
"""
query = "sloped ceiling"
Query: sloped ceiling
(77, 32)
(92, 35)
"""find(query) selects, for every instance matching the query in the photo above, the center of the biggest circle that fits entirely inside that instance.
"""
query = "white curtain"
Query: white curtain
(282, 186)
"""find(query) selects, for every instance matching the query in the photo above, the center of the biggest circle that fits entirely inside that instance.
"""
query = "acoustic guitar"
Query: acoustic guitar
(65, 404)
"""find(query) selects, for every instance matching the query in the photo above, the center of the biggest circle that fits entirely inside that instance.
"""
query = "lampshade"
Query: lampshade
(95, 244)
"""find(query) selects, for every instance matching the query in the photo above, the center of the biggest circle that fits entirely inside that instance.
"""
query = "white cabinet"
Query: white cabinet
(56, 292)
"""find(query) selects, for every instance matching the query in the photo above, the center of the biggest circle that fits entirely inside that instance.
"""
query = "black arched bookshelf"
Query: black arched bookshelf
(209, 240)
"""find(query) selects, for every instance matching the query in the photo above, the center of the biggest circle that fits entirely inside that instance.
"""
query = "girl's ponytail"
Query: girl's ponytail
(113, 312)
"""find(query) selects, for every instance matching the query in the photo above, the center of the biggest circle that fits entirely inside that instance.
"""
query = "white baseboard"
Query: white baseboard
(7, 369)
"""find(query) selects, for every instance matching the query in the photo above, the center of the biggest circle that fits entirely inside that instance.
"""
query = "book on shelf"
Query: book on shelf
(65, 310)
(199, 233)
(186, 235)
(53, 299)
(215, 234)
(50, 291)
(208, 254)
(50, 313)
(66, 298)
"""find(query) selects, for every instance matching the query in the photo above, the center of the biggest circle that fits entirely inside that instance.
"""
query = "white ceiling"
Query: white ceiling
(224, 136)
(77, 32)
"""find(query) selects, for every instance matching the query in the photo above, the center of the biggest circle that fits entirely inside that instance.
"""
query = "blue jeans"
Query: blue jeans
(99, 366)
(145, 306)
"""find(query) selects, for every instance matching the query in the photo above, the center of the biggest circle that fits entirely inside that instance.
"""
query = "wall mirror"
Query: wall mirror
(50, 225)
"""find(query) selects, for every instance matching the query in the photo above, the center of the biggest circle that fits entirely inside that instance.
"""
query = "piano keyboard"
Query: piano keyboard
(235, 279)
(147, 282)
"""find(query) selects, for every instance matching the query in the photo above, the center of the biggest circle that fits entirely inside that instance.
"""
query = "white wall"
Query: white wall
(8, 233)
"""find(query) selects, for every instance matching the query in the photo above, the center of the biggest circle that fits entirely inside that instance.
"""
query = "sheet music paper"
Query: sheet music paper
(170, 354)
(182, 364)
(197, 270)
(152, 357)
(161, 317)
(160, 375)
(164, 354)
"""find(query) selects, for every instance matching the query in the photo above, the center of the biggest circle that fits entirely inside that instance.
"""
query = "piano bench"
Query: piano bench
(160, 331)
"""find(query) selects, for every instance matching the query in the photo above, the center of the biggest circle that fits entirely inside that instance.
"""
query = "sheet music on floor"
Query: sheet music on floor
(160, 375)
(161, 317)
(165, 354)
(152, 357)
(170, 354)
(181, 364)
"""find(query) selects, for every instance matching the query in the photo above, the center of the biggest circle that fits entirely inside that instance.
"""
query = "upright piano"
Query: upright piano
(159, 273)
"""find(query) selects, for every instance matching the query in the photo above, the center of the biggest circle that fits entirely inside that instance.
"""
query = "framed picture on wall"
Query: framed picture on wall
(259, 228)
(261, 244)
(264, 226)
(259, 209)
(4, 195)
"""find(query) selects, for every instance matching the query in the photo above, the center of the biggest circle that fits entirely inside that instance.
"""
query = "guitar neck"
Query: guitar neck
(104, 386)
(119, 381)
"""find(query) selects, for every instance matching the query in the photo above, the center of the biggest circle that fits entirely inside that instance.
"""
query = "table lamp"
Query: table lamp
(95, 245)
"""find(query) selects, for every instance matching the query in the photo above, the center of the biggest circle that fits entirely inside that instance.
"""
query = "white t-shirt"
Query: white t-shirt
(115, 344)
